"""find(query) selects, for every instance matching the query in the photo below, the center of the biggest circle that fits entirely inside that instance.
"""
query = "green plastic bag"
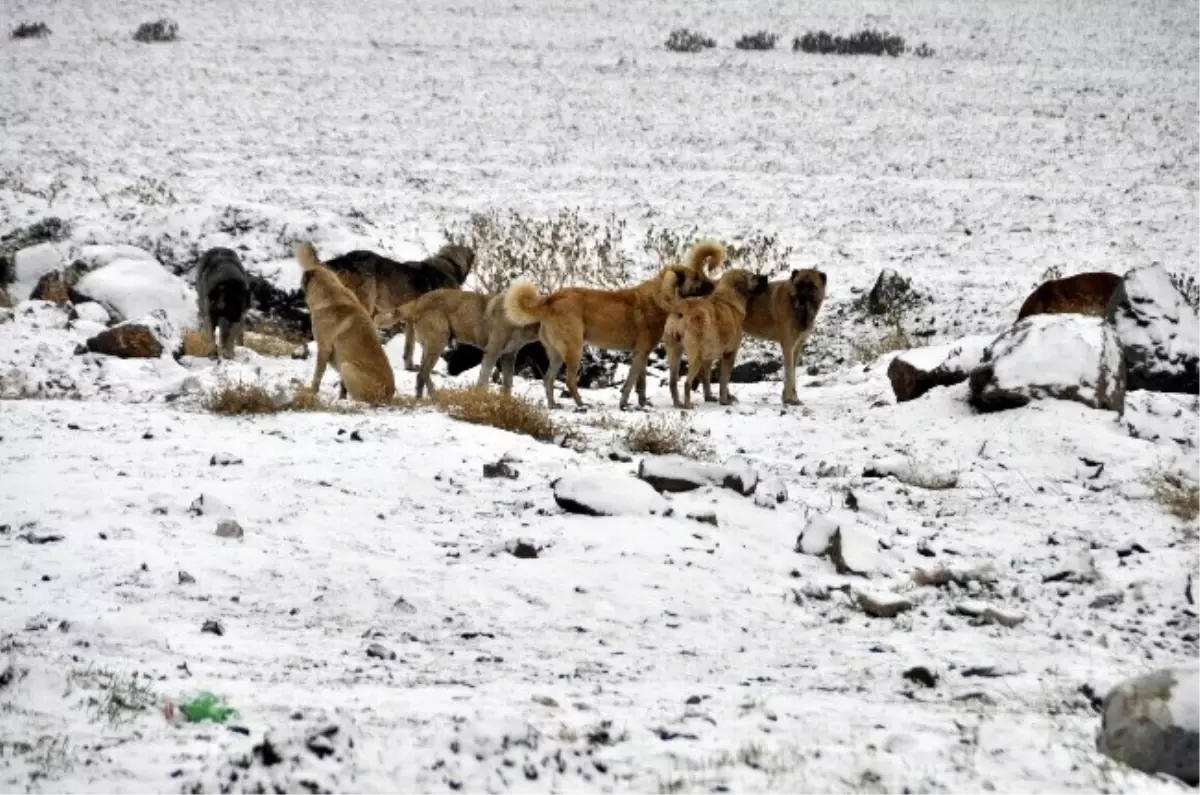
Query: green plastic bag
(206, 706)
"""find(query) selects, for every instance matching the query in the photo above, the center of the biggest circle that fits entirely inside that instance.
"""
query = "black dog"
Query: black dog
(223, 293)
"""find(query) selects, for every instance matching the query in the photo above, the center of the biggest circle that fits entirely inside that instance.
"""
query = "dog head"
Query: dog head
(808, 293)
(688, 283)
(742, 282)
(460, 259)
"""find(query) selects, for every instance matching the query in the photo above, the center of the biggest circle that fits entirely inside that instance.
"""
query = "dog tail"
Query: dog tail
(523, 305)
(307, 255)
(712, 251)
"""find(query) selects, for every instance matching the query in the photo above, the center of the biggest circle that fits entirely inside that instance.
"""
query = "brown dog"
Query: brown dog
(475, 319)
(384, 285)
(785, 313)
(344, 334)
(631, 319)
(708, 329)
(1083, 294)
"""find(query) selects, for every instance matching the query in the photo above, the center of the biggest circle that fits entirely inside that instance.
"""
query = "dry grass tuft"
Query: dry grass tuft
(665, 434)
(507, 412)
(1180, 499)
(252, 397)
(281, 331)
(196, 344)
(268, 344)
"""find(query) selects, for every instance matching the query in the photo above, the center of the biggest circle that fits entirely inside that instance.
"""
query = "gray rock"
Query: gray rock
(1061, 357)
(771, 493)
(224, 460)
(500, 469)
(879, 604)
(522, 548)
(228, 528)
(816, 536)
(1150, 723)
(208, 505)
(854, 551)
(599, 493)
(380, 652)
(1157, 332)
(675, 473)
(913, 373)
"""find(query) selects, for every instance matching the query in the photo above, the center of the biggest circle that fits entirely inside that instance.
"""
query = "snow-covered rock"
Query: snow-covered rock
(1157, 330)
(1152, 722)
(854, 550)
(288, 758)
(915, 372)
(882, 604)
(132, 288)
(93, 312)
(601, 493)
(675, 473)
(1065, 357)
(31, 264)
(814, 539)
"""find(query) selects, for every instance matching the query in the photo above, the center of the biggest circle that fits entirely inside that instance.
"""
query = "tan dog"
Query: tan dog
(631, 319)
(709, 329)
(344, 334)
(786, 313)
(472, 318)
(384, 285)
(1083, 294)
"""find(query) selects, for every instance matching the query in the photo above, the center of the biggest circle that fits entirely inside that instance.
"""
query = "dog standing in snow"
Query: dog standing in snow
(345, 335)
(223, 294)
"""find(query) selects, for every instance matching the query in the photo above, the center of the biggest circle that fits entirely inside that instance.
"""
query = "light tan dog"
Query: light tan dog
(786, 313)
(472, 318)
(631, 319)
(709, 329)
(344, 333)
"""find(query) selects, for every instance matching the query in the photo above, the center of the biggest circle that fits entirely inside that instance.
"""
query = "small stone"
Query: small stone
(300, 353)
(185, 578)
(985, 613)
(213, 627)
(1107, 600)
(880, 604)
(207, 505)
(380, 652)
(403, 605)
(921, 675)
(522, 548)
(704, 517)
(500, 469)
(224, 460)
(355, 436)
(545, 701)
(228, 528)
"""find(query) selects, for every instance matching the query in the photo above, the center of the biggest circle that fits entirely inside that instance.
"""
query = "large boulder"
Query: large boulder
(1151, 723)
(1157, 331)
(1064, 357)
(135, 287)
(675, 473)
(145, 338)
(915, 372)
(606, 494)
(47, 230)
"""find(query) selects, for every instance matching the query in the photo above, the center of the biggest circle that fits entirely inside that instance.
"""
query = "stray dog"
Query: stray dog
(344, 334)
(630, 319)
(708, 329)
(786, 313)
(471, 318)
(1082, 294)
(383, 285)
(223, 295)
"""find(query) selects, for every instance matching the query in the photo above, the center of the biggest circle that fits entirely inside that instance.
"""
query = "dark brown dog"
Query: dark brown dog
(1082, 294)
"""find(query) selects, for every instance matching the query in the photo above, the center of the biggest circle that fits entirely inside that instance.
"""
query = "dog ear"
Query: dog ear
(823, 277)
(795, 273)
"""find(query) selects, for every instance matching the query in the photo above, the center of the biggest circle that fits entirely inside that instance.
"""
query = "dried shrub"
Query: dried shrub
(754, 250)
(1186, 284)
(923, 50)
(665, 434)
(267, 344)
(761, 40)
(195, 343)
(159, 31)
(30, 30)
(566, 249)
(506, 412)
(865, 42)
(252, 397)
(684, 40)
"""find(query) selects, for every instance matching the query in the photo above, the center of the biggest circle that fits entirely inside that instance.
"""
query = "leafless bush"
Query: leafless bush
(865, 42)
(754, 250)
(684, 40)
(555, 252)
(30, 30)
(762, 40)
(162, 30)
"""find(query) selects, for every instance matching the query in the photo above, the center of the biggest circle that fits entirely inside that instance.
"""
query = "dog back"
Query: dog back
(222, 284)
(1083, 293)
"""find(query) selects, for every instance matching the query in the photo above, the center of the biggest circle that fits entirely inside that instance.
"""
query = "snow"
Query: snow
(1185, 699)
(132, 288)
(607, 494)
(670, 651)
(31, 264)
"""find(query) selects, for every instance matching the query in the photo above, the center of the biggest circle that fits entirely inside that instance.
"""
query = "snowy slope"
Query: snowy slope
(650, 653)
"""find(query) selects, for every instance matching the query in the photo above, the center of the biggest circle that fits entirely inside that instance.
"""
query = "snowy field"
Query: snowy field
(373, 589)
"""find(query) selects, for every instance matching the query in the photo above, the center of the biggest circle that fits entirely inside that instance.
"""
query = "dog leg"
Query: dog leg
(571, 362)
(410, 340)
(239, 332)
(706, 383)
(223, 344)
(206, 334)
(508, 363)
(790, 348)
(491, 354)
(673, 363)
(696, 366)
(429, 356)
(726, 370)
(637, 374)
(554, 364)
(324, 354)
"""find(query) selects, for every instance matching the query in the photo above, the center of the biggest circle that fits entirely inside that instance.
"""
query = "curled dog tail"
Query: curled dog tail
(668, 297)
(712, 251)
(523, 305)
(307, 255)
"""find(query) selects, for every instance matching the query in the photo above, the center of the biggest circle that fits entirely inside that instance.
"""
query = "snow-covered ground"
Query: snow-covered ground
(651, 653)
